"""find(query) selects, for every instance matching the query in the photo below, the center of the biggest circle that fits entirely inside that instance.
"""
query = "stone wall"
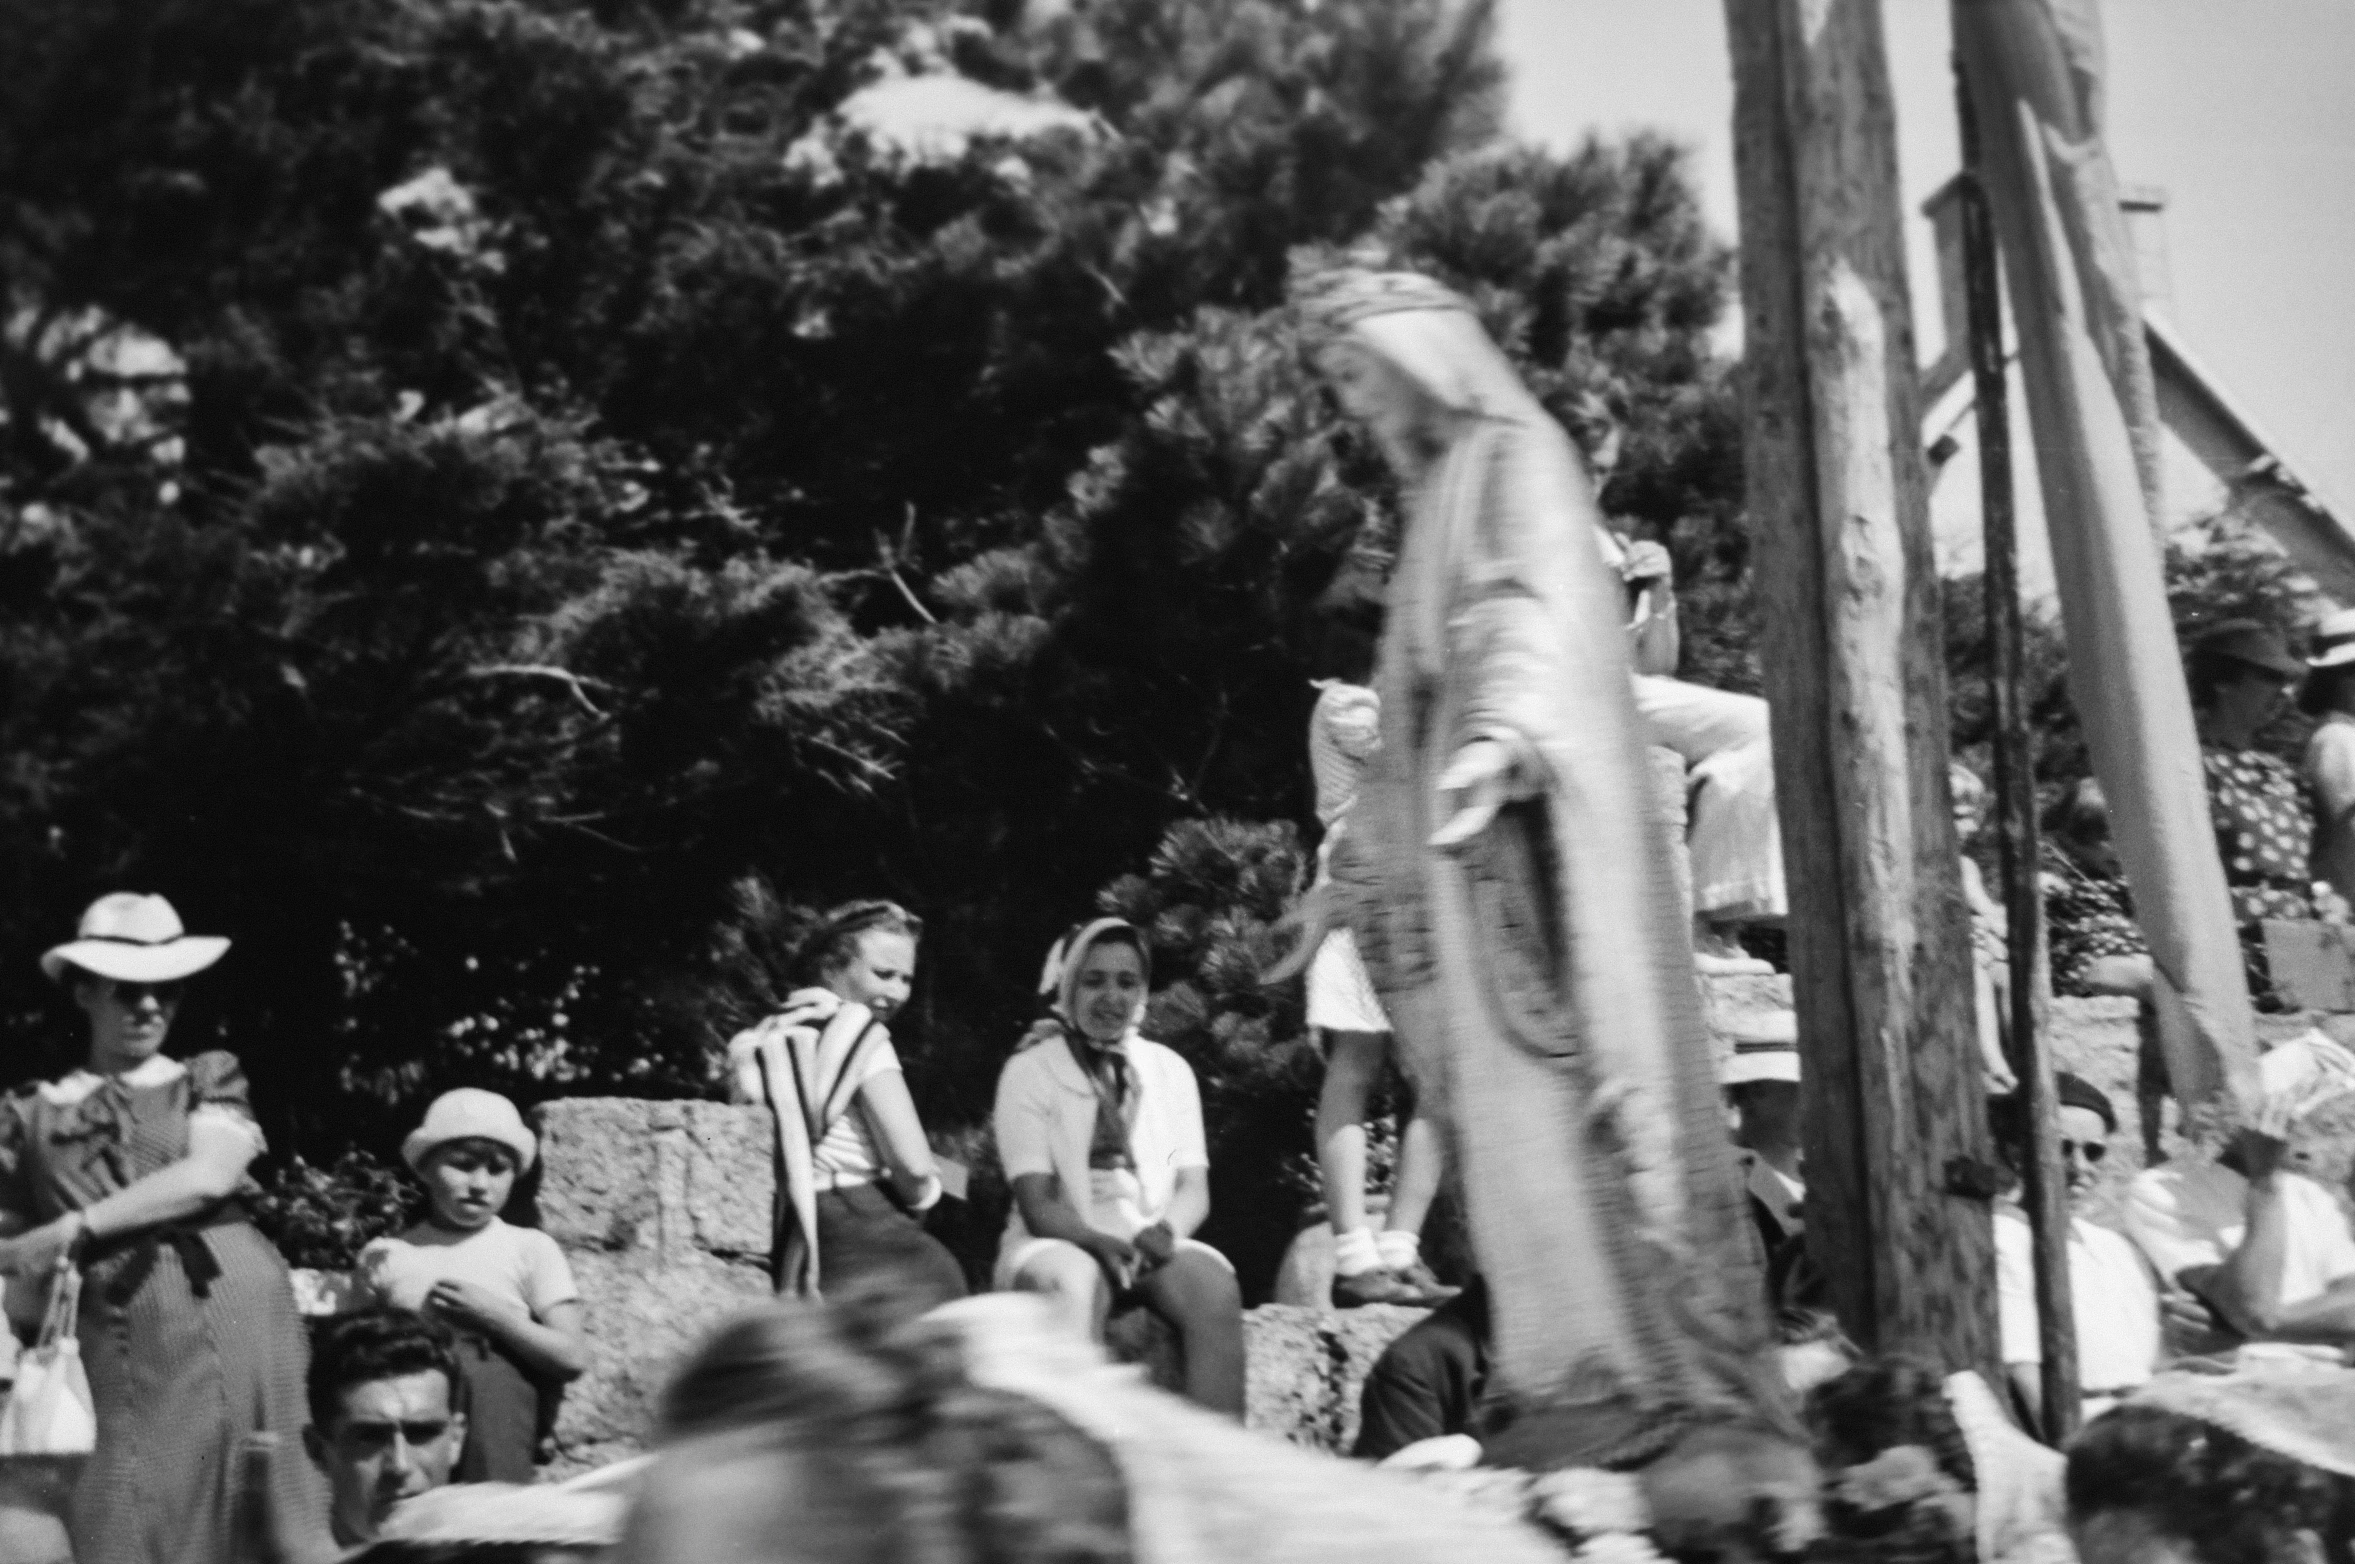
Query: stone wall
(664, 1210)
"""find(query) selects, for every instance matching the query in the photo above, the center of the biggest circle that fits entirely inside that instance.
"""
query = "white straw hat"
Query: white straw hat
(136, 939)
(1766, 1048)
(470, 1113)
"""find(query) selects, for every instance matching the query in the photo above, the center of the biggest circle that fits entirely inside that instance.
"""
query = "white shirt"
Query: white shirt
(2110, 1293)
(2182, 1216)
(518, 1264)
(848, 1154)
(1046, 1116)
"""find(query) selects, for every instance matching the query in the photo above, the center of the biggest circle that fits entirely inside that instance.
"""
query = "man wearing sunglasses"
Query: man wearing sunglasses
(383, 1424)
(2112, 1293)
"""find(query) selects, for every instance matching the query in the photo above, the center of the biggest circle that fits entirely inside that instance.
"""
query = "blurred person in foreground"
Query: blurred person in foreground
(2256, 1466)
(984, 1430)
(2111, 1293)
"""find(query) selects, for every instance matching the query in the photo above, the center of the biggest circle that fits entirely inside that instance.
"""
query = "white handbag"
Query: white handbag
(49, 1410)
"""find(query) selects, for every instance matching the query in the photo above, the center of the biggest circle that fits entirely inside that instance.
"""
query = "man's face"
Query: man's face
(392, 1440)
(2084, 1142)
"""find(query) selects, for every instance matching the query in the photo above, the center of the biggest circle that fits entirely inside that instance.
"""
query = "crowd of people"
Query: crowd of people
(133, 1173)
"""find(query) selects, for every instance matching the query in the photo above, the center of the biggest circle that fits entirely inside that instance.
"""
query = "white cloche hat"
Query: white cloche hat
(470, 1113)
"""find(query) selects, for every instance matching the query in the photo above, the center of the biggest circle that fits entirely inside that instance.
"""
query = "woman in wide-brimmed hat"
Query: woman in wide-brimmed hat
(134, 1167)
(2239, 674)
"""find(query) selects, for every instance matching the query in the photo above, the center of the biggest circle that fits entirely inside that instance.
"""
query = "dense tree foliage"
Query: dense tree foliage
(504, 504)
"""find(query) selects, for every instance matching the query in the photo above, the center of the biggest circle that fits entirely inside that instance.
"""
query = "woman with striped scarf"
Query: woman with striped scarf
(855, 1171)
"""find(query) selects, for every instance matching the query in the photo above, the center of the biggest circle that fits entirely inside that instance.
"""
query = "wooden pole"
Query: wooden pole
(1896, 1130)
(2044, 1189)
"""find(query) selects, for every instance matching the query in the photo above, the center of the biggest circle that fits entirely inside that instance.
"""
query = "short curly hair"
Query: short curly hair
(2231, 1501)
(378, 1343)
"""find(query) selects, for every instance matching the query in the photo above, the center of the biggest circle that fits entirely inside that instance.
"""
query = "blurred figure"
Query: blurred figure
(506, 1291)
(1100, 1130)
(2111, 1293)
(2235, 1468)
(385, 1424)
(858, 1173)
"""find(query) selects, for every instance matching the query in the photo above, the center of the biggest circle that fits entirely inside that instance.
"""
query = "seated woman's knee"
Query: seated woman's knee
(1197, 1280)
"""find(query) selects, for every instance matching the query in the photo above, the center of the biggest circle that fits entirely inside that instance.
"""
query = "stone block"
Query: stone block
(1291, 1385)
(1306, 1369)
(668, 1176)
(644, 1313)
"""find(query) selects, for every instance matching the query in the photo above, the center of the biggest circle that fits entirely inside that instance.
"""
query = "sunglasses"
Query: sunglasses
(2090, 1150)
(131, 993)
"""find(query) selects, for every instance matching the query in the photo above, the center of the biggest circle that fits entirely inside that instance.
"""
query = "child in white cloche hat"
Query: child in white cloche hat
(505, 1290)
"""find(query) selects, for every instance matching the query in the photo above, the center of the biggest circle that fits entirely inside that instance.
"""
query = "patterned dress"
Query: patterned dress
(189, 1333)
(2265, 835)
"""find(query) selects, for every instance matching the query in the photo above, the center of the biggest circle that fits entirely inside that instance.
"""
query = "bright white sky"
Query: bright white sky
(2243, 111)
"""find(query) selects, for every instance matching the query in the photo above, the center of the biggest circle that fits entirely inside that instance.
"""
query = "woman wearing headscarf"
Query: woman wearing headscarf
(856, 1171)
(134, 1167)
(1100, 1131)
(1506, 878)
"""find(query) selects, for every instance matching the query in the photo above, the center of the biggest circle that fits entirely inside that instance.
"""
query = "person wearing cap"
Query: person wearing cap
(1100, 1132)
(134, 1168)
(2239, 673)
(505, 1291)
(2328, 696)
(2111, 1292)
(1761, 1081)
(2267, 1251)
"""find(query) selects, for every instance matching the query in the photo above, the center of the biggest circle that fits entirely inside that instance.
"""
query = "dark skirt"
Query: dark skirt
(864, 1237)
(502, 1406)
(180, 1378)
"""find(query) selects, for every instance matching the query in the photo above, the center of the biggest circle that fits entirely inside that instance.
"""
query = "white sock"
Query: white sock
(1399, 1249)
(1354, 1252)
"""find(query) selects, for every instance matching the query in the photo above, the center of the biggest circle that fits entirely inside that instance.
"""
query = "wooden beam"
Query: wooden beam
(2044, 1186)
(1839, 512)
